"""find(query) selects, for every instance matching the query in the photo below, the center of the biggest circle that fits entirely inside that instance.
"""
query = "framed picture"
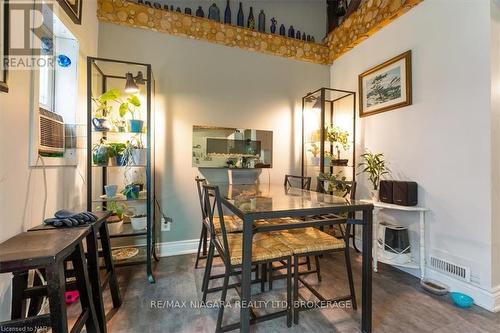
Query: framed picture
(386, 86)
(73, 8)
(4, 43)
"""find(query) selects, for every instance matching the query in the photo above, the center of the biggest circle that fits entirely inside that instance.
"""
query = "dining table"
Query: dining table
(305, 209)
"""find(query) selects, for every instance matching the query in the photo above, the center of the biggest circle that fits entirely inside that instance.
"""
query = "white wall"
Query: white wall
(308, 16)
(199, 83)
(21, 187)
(443, 140)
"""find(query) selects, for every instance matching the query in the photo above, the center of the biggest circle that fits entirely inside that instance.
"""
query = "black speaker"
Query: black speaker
(405, 193)
(385, 192)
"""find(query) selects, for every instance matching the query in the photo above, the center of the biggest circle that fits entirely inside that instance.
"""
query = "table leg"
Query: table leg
(366, 289)
(422, 245)
(246, 275)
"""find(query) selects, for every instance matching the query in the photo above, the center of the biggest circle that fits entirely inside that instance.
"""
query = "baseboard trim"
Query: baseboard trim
(168, 249)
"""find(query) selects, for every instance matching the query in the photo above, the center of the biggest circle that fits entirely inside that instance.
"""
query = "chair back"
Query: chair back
(349, 193)
(304, 182)
(213, 203)
(199, 185)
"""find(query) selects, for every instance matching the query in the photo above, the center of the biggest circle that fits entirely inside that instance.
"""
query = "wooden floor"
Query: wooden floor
(399, 304)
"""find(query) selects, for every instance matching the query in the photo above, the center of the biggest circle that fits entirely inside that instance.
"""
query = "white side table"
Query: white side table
(421, 211)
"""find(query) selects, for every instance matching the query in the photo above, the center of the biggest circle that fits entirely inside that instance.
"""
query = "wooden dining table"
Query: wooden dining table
(253, 202)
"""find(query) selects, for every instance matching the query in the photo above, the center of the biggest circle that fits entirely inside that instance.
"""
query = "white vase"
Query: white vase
(139, 222)
(139, 156)
(374, 195)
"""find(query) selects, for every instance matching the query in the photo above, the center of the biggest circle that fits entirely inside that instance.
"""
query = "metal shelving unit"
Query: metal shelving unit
(321, 108)
(103, 75)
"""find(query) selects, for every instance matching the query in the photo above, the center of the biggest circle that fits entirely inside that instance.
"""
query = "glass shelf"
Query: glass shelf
(120, 166)
(119, 200)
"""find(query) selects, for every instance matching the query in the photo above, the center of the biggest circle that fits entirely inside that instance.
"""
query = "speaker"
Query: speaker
(385, 192)
(405, 193)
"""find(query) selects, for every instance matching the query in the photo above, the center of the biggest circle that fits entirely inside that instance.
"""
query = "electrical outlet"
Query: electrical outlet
(166, 222)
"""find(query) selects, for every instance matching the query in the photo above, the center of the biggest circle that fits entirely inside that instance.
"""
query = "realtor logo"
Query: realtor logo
(30, 34)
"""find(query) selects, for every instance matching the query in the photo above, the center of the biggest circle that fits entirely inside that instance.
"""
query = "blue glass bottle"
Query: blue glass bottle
(262, 21)
(227, 14)
(240, 19)
(282, 30)
(273, 25)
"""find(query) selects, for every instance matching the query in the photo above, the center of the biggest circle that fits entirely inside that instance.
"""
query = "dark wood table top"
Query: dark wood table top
(35, 249)
(102, 216)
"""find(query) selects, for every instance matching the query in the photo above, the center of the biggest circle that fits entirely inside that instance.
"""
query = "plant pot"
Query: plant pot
(139, 222)
(327, 161)
(139, 156)
(121, 129)
(115, 227)
(120, 161)
(315, 160)
(101, 124)
(100, 156)
(374, 195)
(110, 190)
(132, 192)
(135, 125)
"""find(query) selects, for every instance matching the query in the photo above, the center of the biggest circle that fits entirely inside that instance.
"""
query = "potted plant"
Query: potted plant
(336, 135)
(139, 221)
(314, 150)
(131, 191)
(115, 221)
(104, 108)
(101, 153)
(132, 105)
(335, 183)
(328, 157)
(135, 153)
(375, 167)
(116, 153)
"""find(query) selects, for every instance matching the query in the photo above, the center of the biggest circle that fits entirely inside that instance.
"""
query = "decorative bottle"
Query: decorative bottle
(199, 12)
(227, 14)
(273, 25)
(251, 19)
(262, 21)
(240, 19)
(282, 30)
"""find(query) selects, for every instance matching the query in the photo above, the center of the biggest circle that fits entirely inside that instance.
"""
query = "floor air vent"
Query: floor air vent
(449, 268)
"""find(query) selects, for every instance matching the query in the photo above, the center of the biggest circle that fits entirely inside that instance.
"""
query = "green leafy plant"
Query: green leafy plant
(116, 208)
(335, 134)
(336, 182)
(374, 166)
(131, 191)
(101, 153)
(116, 148)
(314, 150)
(131, 105)
(104, 102)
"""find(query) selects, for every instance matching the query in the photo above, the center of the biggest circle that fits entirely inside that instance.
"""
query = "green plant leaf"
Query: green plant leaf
(134, 100)
(109, 95)
(123, 109)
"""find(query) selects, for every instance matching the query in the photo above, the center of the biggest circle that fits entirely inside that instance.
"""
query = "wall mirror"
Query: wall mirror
(224, 147)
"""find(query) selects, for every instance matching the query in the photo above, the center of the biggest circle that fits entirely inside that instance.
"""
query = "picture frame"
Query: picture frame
(4, 44)
(73, 8)
(386, 87)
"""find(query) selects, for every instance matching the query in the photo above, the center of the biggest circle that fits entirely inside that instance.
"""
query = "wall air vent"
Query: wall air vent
(51, 133)
(451, 269)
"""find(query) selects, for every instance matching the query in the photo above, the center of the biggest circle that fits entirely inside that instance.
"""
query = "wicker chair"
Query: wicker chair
(266, 247)
(233, 223)
(314, 242)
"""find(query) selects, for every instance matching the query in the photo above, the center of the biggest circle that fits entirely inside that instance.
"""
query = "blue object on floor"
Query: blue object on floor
(461, 300)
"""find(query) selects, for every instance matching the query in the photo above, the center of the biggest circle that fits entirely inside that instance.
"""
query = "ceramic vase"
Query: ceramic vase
(273, 25)
(374, 195)
(199, 12)
(214, 13)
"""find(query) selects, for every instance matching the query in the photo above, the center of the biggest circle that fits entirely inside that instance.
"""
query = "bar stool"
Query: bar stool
(49, 250)
(98, 231)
